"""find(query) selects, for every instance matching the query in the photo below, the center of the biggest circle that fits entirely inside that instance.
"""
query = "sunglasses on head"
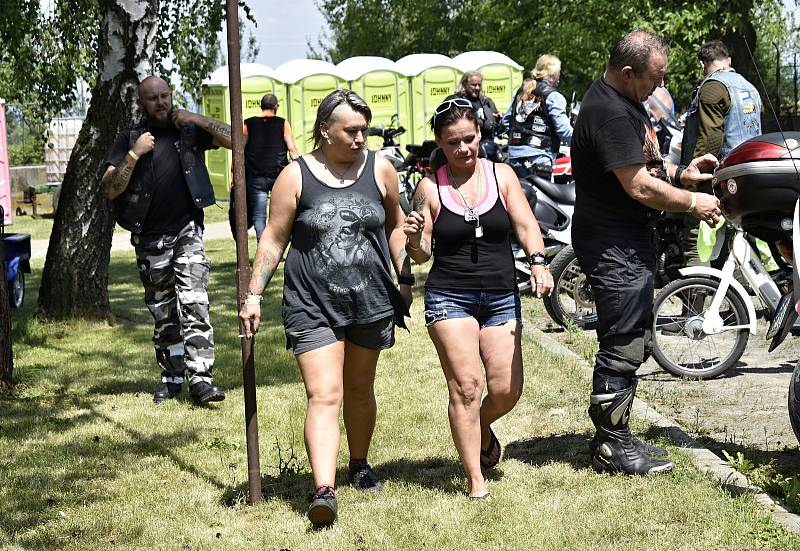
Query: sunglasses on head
(448, 103)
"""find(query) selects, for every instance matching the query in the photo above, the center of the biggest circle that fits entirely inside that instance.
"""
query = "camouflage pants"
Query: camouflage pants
(174, 270)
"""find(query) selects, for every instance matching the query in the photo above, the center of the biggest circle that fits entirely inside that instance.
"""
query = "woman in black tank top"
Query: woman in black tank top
(340, 207)
(463, 217)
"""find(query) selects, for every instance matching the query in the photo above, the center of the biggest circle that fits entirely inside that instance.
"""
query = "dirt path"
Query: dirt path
(743, 410)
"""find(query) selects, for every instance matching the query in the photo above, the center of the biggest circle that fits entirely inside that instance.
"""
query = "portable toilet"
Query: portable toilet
(431, 78)
(257, 80)
(378, 82)
(5, 177)
(307, 82)
(502, 76)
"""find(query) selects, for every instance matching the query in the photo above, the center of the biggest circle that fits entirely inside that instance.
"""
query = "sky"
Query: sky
(284, 28)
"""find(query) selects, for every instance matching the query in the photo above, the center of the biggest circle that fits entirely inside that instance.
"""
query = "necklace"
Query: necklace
(471, 215)
(334, 172)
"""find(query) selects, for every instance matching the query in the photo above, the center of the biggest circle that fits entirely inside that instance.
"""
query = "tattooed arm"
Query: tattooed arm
(418, 227)
(282, 211)
(117, 178)
(218, 129)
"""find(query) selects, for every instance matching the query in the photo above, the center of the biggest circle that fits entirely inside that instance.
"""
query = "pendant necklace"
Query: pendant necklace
(470, 212)
(335, 173)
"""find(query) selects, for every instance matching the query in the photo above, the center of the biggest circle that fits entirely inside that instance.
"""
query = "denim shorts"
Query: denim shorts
(376, 335)
(489, 308)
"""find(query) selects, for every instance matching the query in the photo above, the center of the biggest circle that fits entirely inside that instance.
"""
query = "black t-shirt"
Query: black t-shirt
(171, 207)
(612, 131)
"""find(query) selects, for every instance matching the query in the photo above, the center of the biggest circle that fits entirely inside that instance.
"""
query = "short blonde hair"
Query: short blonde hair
(547, 67)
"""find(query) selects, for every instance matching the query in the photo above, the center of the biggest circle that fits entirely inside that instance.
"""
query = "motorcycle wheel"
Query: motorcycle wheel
(794, 401)
(408, 186)
(679, 344)
(571, 301)
(16, 290)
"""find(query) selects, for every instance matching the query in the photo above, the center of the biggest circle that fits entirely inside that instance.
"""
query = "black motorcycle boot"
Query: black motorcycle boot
(648, 449)
(616, 451)
(167, 392)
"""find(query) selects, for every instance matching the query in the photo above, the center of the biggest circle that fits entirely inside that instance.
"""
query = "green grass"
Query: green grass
(41, 225)
(90, 463)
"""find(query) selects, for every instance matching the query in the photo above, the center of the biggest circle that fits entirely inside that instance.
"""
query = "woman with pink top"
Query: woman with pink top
(463, 217)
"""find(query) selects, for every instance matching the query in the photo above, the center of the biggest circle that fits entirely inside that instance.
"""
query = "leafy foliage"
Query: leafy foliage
(43, 52)
(580, 33)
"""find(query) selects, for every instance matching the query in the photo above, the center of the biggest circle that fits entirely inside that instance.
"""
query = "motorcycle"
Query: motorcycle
(410, 168)
(757, 183)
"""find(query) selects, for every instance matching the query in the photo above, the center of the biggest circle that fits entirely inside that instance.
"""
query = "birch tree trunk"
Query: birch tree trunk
(75, 278)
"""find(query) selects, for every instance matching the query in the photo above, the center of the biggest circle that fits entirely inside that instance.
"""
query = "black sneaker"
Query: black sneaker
(167, 392)
(322, 507)
(364, 478)
(203, 393)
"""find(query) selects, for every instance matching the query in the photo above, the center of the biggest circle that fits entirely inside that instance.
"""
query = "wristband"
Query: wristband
(678, 173)
(133, 155)
(537, 259)
(406, 279)
(694, 203)
(253, 298)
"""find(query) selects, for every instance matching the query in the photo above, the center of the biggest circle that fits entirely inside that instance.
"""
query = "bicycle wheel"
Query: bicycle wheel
(572, 299)
(794, 401)
(679, 344)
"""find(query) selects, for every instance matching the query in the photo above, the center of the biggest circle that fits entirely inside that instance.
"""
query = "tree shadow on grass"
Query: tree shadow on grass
(41, 472)
(570, 448)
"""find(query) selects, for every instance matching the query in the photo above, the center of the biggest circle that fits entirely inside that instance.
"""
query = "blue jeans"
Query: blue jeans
(258, 189)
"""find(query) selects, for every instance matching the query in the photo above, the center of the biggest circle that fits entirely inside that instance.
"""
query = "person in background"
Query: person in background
(269, 138)
(537, 121)
(157, 179)
(725, 111)
(464, 217)
(470, 87)
(622, 187)
(339, 206)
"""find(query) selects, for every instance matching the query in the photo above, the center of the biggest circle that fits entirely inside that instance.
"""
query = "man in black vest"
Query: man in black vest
(269, 137)
(158, 182)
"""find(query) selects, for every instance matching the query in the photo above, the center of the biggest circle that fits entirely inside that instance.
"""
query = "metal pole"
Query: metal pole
(242, 254)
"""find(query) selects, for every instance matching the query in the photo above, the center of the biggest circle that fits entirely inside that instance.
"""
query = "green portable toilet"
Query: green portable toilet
(257, 80)
(307, 82)
(501, 74)
(431, 78)
(378, 82)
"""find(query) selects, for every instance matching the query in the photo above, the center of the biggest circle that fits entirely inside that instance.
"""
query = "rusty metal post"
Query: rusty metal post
(242, 253)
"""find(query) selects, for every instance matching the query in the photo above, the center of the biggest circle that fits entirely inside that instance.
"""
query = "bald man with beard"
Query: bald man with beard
(158, 183)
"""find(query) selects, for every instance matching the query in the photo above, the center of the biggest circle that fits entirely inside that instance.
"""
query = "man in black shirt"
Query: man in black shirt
(269, 138)
(622, 187)
(159, 185)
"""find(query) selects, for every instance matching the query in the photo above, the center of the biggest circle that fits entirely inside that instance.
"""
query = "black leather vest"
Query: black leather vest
(130, 208)
(538, 129)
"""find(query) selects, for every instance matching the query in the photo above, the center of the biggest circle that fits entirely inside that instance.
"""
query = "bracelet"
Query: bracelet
(678, 173)
(406, 279)
(694, 203)
(133, 155)
(253, 298)
(537, 259)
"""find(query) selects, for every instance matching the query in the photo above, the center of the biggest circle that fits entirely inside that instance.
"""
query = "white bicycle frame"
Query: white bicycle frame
(746, 259)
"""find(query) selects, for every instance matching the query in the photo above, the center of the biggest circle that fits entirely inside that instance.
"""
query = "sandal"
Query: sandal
(491, 457)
